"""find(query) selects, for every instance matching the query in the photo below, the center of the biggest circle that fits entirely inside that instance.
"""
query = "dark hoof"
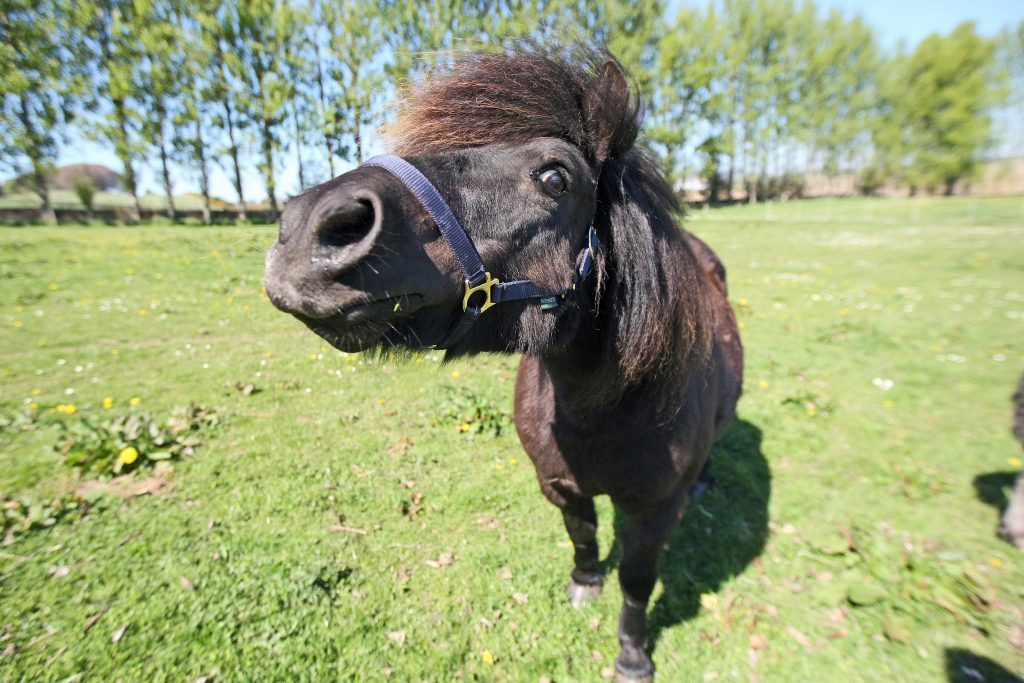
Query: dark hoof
(626, 678)
(634, 666)
(580, 594)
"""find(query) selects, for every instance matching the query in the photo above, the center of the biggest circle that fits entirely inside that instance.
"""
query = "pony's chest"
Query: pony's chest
(624, 464)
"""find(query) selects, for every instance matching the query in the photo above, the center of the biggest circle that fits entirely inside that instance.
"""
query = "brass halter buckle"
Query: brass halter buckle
(484, 287)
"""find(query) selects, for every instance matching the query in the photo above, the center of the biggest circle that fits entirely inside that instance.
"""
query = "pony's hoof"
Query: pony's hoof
(627, 678)
(579, 593)
(633, 666)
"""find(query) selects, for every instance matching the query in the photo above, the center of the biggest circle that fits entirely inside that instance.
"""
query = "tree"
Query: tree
(159, 82)
(219, 32)
(264, 26)
(85, 190)
(105, 30)
(191, 119)
(38, 85)
(944, 101)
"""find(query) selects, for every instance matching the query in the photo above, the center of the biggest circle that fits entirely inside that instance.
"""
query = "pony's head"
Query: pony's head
(528, 151)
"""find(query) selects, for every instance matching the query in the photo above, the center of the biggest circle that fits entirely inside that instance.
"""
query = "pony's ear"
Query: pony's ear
(611, 113)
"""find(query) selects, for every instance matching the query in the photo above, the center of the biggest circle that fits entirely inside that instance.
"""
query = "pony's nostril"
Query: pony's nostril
(348, 225)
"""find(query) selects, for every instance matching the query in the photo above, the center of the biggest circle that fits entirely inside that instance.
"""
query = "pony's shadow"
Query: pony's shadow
(723, 531)
(963, 666)
(991, 488)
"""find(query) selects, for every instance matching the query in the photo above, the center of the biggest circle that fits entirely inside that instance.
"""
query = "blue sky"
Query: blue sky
(893, 20)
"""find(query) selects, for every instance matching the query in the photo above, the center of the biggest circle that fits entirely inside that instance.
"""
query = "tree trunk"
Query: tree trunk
(268, 160)
(266, 140)
(122, 146)
(40, 182)
(204, 177)
(229, 120)
(298, 146)
(323, 104)
(124, 154)
(165, 170)
(357, 134)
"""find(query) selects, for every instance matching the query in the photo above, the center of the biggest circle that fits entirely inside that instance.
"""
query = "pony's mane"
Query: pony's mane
(650, 287)
(514, 96)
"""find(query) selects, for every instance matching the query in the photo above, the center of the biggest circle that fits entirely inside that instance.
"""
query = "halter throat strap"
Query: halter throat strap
(481, 290)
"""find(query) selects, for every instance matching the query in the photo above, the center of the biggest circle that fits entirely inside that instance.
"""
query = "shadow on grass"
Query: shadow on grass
(963, 666)
(723, 531)
(991, 488)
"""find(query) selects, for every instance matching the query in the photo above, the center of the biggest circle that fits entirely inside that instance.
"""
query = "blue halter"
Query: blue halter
(478, 280)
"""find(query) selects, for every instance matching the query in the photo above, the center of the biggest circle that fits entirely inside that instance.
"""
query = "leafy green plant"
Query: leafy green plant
(22, 515)
(472, 413)
(127, 442)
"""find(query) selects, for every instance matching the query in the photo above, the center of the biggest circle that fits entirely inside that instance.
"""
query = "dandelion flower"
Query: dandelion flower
(53, 287)
(66, 408)
(456, 374)
(996, 562)
(18, 323)
(128, 455)
(464, 427)
(108, 403)
(762, 384)
(487, 657)
(1014, 462)
(134, 400)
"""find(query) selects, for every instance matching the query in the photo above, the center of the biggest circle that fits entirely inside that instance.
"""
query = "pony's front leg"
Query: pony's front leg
(587, 578)
(643, 538)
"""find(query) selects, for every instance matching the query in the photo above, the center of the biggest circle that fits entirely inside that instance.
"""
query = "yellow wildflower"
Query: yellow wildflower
(762, 384)
(108, 403)
(18, 323)
(33, 406)
(996, 562)
(128, 455)
(888, 404)
(456, 374)
(464, 427)
(66, 408)
(143, 311)
(1014, 462)
(134, 400)
(487, 657)
(52, 287)
(811, 409)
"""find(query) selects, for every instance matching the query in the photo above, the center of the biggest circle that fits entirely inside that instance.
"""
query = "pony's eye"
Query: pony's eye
(553, 181)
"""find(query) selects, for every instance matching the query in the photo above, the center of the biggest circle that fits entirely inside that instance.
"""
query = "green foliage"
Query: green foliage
(127, 442)
(25, 514)
(936, 120)
(39, 84)
(472, 413)
(85, 190)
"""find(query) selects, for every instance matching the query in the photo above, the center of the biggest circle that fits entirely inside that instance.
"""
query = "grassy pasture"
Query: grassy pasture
(850, 535)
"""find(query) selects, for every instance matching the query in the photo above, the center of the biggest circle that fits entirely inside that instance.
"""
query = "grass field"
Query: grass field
(359, 520)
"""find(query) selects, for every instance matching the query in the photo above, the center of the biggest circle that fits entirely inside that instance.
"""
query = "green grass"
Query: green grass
(237, 571)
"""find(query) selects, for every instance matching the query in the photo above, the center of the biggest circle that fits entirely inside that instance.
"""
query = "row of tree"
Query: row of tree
(746, 94)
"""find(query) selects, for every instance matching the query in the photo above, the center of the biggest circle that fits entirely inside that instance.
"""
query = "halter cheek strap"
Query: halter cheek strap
(481, 288)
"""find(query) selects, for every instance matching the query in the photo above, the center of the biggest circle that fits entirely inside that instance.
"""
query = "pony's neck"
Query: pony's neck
(587, 374)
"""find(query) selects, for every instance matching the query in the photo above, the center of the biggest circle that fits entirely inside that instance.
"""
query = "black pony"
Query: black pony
(522, 168)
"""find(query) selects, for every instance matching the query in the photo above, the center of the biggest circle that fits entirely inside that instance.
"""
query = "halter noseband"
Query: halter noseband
(478, 280)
